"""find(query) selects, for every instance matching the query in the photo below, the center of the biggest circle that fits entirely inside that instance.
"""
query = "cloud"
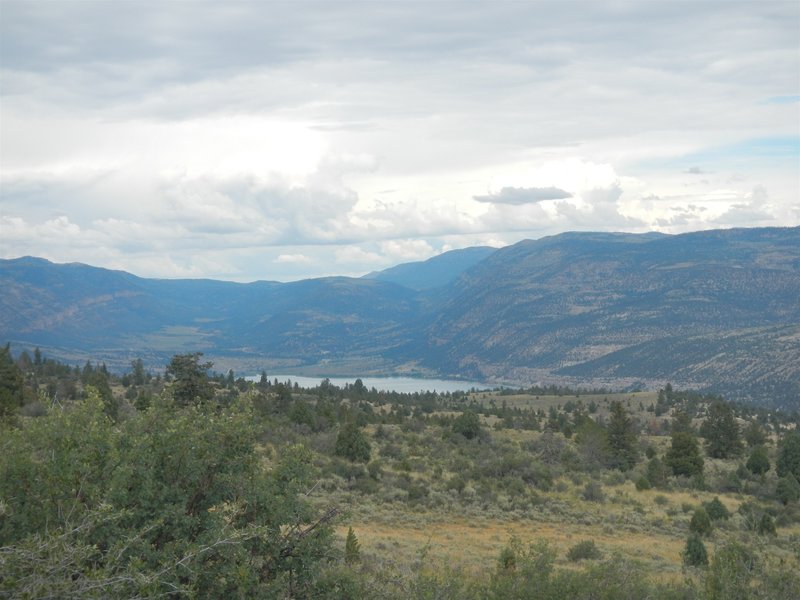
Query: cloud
(512, 195)
(292, 259)
(215, 138)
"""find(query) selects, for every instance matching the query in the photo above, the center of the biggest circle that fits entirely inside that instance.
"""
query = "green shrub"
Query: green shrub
(766, 525)
(593, 492)
(661, 500)
(467, 424)
(716, 510)
(758, 463)
(642, 483)
(788, 489)
(585, 550)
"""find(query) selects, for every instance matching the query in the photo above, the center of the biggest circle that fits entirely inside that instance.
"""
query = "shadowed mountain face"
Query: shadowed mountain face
(714, 310)
(435, 272)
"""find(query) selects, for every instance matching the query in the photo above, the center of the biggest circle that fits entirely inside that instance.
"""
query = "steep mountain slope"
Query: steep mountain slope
(613, 307)
(434, 272)
(716, 310)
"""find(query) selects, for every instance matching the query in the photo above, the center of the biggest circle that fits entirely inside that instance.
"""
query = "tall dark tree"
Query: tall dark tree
(467, 424)
(694, 554)
(721, 432)
(139, 376)
(681, 421)
(11, 385)
(755, 435)
(683, 457)
(352, 444)
(99, 381)
(190, 385)
(789, 455)
(622, 439)
(758, 462)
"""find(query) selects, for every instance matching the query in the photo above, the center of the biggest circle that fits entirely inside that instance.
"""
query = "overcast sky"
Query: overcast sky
(279, 141)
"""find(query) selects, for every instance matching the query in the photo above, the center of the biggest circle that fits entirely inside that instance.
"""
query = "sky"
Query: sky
(267, 140)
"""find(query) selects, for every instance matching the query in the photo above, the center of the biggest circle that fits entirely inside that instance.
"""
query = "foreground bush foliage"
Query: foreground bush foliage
(173, 501)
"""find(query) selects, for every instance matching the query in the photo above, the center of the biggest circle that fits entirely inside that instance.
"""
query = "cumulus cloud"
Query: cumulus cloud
(292, 259)
(219, 139)
(512, 195)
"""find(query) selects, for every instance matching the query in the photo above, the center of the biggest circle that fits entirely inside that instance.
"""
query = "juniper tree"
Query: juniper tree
(694, 554)
(789, 455)
(683, 457)
(352, 444)
(721, 432)
(758, 463)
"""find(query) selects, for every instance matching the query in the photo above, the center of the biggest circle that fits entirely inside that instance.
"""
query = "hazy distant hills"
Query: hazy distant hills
(434, 272)
(713, 310)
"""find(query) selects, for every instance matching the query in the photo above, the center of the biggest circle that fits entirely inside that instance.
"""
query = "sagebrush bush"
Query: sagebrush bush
(585, 550)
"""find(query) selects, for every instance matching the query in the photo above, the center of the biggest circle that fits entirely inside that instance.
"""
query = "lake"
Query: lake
(389, 384)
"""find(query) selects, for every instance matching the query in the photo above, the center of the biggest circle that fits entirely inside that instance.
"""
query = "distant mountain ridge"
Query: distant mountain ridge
(716, 310)
(434, 272)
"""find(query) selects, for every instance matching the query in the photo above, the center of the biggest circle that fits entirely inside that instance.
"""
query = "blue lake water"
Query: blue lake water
(388, 384)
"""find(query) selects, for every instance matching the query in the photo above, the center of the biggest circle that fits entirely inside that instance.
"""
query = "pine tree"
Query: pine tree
(11, 385)
(352, 549)
(351, 443)
(788, 489)
(191, 385)
(789, 455)
(683, 457)
(758, 463)
(721, 432)
(622, 439)
(716, 510)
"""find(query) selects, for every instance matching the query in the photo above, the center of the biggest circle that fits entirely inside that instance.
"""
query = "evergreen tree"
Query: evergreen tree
(701, 522)
(683, 457)
(681, 421)
(467, 424)
(352, 444)
(755, 435)
(622, 439)
(788, 489)
(11, 385)
(766, 525)
(789, 455)
(191, 385)
(657, 473)
(695, 555)
(352, 549)
(716, 510)
(758, 463)
(721, 432)
(139, 376)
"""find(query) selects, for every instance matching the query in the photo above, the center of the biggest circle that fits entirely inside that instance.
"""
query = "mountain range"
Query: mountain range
(714, 310)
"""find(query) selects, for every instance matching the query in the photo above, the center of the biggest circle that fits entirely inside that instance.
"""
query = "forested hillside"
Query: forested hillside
(713, 310)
